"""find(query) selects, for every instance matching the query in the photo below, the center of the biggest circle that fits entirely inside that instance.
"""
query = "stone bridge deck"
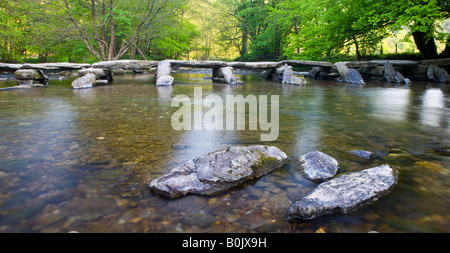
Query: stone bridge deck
(137, 64)
(223, 71)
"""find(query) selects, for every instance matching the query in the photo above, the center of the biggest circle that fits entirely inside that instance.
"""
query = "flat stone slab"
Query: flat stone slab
(361, 64)
(438, 62)
(219, 170)
(10, 67)
(197, 64)
(56, 66)
(317, 166)
(126, 64)
(396, 62)
(345, 193)
(254, 65)
(298, 63)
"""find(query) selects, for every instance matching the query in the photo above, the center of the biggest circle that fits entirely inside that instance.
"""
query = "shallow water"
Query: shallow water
(81, 160)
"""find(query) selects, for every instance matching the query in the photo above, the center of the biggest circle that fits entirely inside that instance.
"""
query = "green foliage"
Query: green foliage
(173, 41)
(265, 35)
(14, 30)
(256, 30)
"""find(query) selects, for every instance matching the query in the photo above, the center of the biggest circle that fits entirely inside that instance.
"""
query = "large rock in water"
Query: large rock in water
(86, 81)
(317, 166)
(104, 74)
(348, 75)
(437, 74)
(225, 74)
(163, 72)
(345, 193)
(289, 77)
(219, 170)
(29, 77)
(391, 75)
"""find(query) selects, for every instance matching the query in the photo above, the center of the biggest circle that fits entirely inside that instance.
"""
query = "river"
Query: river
(82, 160)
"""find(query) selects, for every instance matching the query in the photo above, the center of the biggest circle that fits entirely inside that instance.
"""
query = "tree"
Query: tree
(421, 17)
(97, 23)
(14, 29)
(324, 27)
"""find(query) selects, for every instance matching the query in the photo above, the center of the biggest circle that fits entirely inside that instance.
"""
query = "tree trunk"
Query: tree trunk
(244, 46)
(133, 52)
(426, 46)
(113, 36)
(296, 34)
(446, 52)
(358, 54)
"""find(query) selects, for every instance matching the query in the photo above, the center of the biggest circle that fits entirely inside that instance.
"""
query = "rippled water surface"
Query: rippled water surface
(81, 160)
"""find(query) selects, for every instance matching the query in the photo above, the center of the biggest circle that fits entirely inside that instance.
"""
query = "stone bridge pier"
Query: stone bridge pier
(223, 71)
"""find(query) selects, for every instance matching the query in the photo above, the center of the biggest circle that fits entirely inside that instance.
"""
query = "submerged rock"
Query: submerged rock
(345, 193)
(86, 81)
(362, 153)
(317, 166)
(219, 170)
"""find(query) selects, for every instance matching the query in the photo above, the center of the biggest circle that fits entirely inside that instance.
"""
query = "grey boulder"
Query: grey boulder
(104, 74)
(289, 77)
(219, 170)
(345, 193)
(391, 75)
(30, 77)
(164, 81)
(86, 81)
(163, 71)
(437, 74)
(225, 74)
(317, 166)
(348, 75)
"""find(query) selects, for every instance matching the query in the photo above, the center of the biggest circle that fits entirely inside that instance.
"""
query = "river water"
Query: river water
(81, 160)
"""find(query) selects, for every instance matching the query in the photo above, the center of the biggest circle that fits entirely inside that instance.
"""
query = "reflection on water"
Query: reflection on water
(432, 112)
(391, 103)
(82, 159)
